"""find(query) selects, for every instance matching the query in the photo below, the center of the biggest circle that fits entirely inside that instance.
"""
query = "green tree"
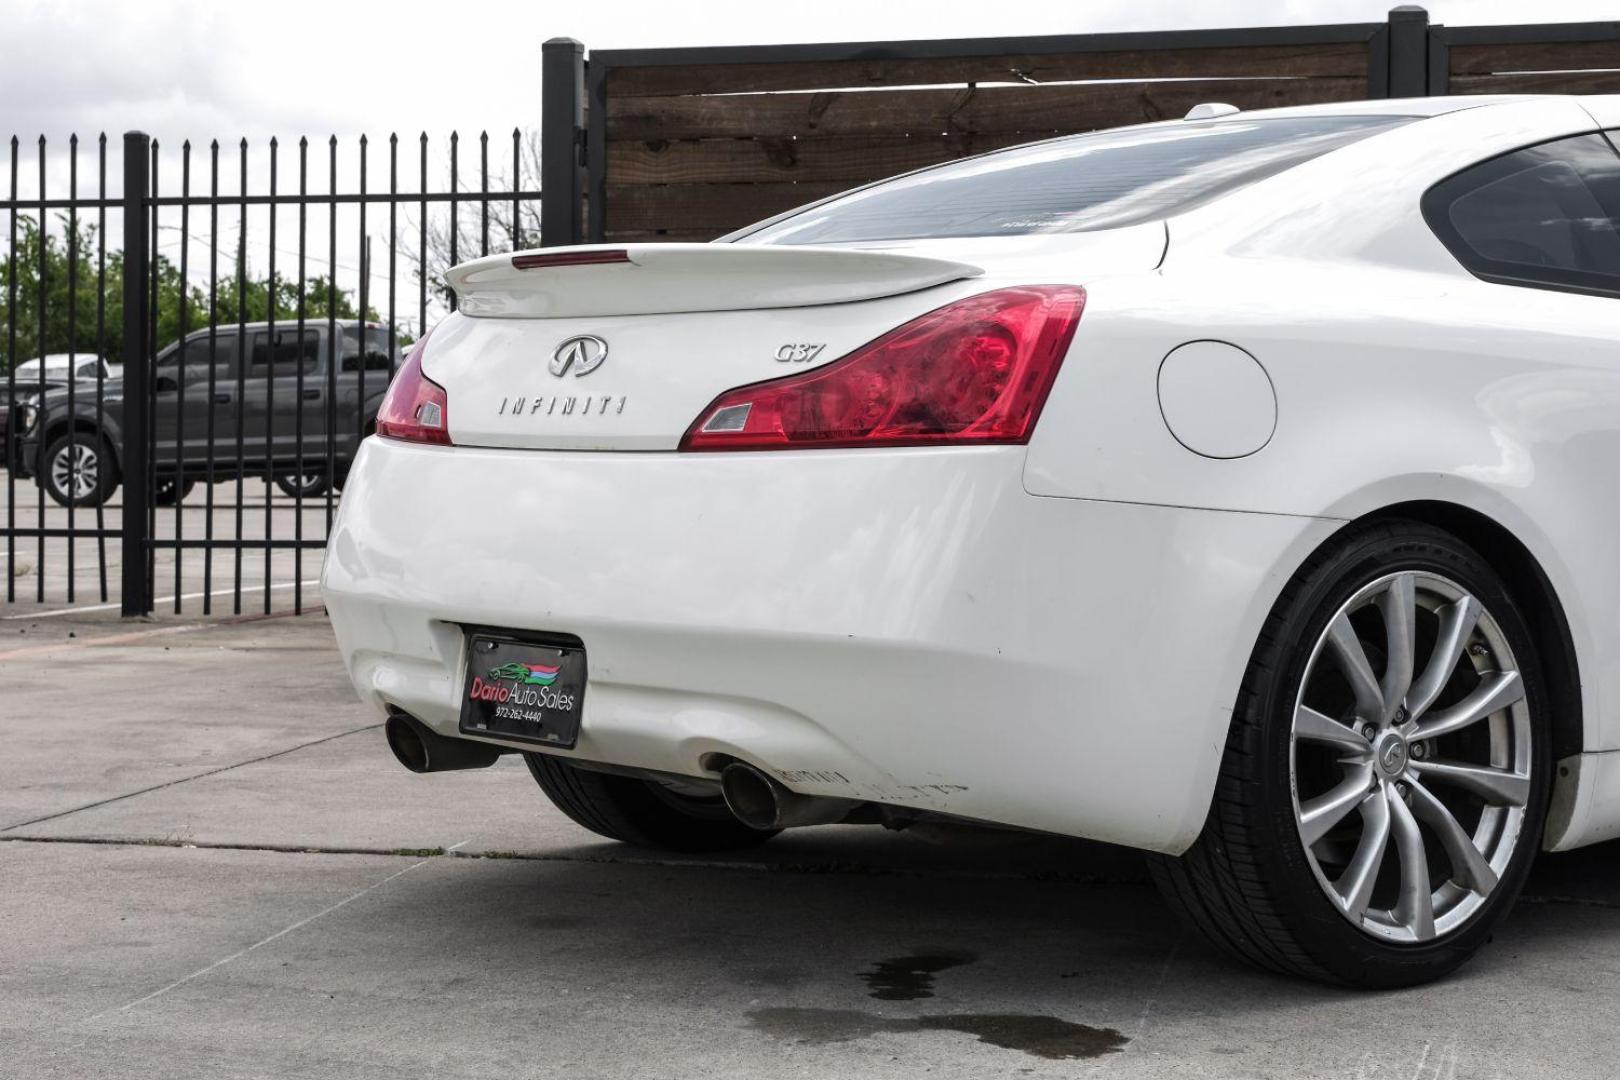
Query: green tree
(70, 285)
(20, 278)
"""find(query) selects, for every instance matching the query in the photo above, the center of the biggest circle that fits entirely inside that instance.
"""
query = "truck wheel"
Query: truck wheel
(307, 486)
(78, 470)
(1385, 779)
(641, 812)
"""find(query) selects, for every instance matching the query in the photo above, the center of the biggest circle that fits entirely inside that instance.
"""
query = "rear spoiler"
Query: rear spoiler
(656, 279)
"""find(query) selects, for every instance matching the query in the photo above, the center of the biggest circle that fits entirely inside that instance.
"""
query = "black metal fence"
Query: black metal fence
(258, 317)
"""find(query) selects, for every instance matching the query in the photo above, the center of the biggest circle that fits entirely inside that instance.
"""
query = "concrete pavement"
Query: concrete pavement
(213, 868)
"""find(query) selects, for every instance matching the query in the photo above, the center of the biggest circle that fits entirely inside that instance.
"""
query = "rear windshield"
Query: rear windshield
(1099, 181)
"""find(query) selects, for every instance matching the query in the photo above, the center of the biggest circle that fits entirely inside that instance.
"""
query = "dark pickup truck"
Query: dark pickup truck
(252, 399)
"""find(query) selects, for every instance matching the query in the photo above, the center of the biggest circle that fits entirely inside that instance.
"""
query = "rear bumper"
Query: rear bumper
(902, 626)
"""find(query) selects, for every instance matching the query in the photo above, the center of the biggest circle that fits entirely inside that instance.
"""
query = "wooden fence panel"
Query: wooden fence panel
(694, 152)
(1535, 67)
(1042, 110)
(1348, 58)
(1484, 59)
(687, 144)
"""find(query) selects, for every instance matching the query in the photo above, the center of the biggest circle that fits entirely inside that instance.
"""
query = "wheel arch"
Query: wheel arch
(61, 425)
(1538, 601)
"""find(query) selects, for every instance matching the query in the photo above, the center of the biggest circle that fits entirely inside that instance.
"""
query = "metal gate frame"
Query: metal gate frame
(200, 209)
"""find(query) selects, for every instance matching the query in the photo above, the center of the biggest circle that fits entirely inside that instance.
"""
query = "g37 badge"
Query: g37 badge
(792, 353)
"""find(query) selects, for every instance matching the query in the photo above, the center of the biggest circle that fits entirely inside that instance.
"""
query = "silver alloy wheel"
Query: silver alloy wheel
(76, 470)
(306, 481)
(1411, 714)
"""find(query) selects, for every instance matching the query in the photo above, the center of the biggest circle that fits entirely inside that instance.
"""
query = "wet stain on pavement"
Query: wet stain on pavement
(907, 978)
(1040, 1036)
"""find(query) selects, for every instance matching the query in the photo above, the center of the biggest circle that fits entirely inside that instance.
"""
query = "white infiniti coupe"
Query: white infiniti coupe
(1240, 488)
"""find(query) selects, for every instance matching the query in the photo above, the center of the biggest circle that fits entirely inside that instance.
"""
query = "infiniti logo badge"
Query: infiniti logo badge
(1392, 755)
(584, 354)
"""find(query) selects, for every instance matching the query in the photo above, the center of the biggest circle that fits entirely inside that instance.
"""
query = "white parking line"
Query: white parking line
(157, 603)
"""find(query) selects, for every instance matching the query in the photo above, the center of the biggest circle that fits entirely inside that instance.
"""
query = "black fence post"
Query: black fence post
(1408, 52)
(136, 598)
(562, 142)
(1439, 62)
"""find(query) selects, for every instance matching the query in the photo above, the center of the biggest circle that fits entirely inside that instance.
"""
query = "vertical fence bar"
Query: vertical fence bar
(298, 357)
(517, 186)
(329, 406)
(136, 597)
(73, 342)
(213, 374)
(272, 294)
(149, 401)
(241, 370)
(11, 385)
(1408, 51)
(421, 249)
(393, 242)
(562, 127)
(40, 291)
(483, 193)
(455, 220)
(363, 360)
(101, 341)
(182, 348)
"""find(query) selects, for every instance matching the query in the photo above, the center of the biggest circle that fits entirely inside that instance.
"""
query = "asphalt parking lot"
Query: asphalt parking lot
(214, 868)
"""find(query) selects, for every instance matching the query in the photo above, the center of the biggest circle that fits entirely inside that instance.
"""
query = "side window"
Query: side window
(221, 354)
(285, 354)
(1546, 216)
(376, 351)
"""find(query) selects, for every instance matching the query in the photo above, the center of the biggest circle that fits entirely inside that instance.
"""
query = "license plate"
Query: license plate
(518, 689)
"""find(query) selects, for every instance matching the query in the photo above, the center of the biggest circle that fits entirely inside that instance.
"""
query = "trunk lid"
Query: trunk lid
(624, 354)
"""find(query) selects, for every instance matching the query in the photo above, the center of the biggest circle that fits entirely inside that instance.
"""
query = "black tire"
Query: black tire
(309, 486)
(168, 492)
(1248, 884)
(92, 487)
(640, 812)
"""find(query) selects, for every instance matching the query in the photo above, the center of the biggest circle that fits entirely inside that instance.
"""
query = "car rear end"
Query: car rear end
(663, 508)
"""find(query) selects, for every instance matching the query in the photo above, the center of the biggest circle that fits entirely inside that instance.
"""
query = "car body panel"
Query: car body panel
(1052, 636)
(1605, 109)
(1402, 379)
(932, 637)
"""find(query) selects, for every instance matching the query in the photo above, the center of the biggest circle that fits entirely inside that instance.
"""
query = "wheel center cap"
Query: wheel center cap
(1391, 754)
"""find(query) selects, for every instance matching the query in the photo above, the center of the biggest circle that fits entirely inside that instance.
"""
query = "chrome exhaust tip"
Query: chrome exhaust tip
(760, 802)
(422, 750)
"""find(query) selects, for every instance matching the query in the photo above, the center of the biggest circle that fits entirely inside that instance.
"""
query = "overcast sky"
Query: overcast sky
(234, 69)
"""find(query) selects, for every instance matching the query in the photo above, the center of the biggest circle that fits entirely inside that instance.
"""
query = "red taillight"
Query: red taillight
(415, 408)
(976, 371)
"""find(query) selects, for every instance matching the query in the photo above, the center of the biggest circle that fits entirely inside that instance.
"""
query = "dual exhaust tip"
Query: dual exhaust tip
(761, 802)
(421, 749)
(755, 798)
